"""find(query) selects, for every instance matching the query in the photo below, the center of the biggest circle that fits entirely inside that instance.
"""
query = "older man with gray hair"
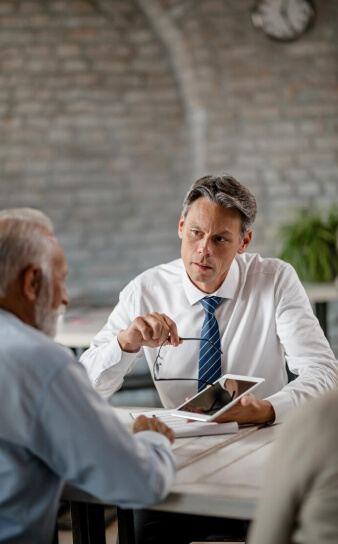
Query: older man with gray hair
(33, 215)
(55, 426)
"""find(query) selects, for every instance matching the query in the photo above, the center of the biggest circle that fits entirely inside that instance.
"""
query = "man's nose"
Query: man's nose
(204, 247)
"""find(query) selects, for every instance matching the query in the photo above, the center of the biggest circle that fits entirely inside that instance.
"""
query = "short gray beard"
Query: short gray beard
(45, 317)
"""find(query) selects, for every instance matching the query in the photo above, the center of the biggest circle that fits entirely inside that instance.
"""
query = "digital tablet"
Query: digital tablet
(217, 398)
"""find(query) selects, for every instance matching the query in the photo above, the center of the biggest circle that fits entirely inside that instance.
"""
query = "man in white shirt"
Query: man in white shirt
(54, 427)
(264, 319)
(264, 316)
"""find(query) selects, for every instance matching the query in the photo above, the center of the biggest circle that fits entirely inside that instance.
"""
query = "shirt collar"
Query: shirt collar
(228, 288)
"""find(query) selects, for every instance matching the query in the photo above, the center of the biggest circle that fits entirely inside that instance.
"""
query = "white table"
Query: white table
(320, 294)
(225, 469)
(216, 475)
(78, 326)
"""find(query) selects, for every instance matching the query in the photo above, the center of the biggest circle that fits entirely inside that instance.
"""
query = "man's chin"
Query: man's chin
(49, 330)
(200, 281)
(48, 324)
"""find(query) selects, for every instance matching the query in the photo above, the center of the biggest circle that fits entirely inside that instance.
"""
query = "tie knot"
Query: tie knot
(210, 304)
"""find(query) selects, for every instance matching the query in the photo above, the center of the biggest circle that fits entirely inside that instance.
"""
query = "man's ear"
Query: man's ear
(32, 278)
(180, 226)
(245, 242)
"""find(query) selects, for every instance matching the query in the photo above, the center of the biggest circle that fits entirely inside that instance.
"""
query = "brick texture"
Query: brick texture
(109, 109)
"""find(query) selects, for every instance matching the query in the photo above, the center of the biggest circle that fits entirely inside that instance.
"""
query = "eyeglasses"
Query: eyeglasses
(159, 360)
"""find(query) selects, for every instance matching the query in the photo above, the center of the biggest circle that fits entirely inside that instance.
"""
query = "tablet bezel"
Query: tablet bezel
(205, 417)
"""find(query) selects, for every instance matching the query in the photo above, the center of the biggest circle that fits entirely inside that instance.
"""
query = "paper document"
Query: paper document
(184, 429)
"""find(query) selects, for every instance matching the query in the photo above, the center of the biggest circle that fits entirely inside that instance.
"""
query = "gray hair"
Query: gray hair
(226, 191)
(22, 243)
(28, 214)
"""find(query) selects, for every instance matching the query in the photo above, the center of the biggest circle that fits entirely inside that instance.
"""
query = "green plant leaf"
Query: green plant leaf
(310, 244)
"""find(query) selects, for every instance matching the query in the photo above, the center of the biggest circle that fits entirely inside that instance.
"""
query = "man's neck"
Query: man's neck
(13, 303)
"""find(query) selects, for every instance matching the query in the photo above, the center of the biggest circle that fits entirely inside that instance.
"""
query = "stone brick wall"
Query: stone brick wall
(109, 109)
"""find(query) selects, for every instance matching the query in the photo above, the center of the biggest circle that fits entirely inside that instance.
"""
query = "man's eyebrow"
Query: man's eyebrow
(197, 227)
(227, 232)
(223, 232)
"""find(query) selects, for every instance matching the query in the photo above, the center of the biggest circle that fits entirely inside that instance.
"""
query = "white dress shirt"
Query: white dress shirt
(55, 427)
(265, 319)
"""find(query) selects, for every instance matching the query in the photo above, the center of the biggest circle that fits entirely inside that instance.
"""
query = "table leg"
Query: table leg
(56, 535)
(125, 523)
(88, 525)
(321, 313)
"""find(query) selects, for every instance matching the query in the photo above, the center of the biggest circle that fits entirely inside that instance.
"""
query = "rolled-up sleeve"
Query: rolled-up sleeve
(82, 440)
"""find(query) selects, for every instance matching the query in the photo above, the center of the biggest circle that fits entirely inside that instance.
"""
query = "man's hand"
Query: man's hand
(143, 423)
(149, 330)
(249, 410)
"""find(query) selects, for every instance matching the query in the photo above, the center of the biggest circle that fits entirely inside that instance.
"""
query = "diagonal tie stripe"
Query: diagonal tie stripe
(209, 368)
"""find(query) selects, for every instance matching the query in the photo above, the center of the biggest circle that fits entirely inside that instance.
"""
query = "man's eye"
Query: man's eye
(195, 232)
(221, 239)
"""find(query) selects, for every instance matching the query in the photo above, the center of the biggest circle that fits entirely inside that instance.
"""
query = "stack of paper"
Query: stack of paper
(184, 428)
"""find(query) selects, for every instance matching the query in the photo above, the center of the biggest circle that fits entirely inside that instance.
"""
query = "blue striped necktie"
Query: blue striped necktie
(209, 358)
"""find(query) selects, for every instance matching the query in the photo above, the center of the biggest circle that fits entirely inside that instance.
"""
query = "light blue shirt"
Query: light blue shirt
(55, 427)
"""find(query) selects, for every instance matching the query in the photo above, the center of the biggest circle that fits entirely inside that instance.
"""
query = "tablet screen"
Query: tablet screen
(217, 396)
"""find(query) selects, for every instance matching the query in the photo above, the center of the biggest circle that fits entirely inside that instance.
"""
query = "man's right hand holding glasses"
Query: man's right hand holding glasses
(150, 330)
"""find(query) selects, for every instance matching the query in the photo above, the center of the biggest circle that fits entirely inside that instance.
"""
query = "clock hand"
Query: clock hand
(284, 14)
(284, 7)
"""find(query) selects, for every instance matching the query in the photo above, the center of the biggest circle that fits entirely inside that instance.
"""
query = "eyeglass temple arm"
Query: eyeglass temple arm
(185, 338)
(204, 340)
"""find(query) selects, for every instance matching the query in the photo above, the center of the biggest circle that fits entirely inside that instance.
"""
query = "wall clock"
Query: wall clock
(283, 20)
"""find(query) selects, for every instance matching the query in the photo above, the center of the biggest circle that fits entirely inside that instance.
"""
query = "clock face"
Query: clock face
(283, 20)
